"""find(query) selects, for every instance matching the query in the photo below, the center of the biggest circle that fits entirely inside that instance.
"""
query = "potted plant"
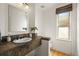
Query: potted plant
(32, 30)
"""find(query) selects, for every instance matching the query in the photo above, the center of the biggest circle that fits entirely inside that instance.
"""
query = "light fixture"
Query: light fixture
(24, 5)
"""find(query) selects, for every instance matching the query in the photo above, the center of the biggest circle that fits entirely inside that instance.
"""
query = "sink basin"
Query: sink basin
(23, 40)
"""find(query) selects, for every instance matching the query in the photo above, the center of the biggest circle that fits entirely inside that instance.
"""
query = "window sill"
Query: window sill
(64, 39)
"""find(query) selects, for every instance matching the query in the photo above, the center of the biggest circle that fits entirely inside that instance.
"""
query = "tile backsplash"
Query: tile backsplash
(13, 37)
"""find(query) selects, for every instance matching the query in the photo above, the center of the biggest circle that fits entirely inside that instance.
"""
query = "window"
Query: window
(63, 22)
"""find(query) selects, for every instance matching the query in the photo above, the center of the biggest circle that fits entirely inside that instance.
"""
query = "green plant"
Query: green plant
(34, 28)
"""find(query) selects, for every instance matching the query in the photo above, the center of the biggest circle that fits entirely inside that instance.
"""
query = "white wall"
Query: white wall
(3, 19)
(48, 23)
(38, 20)
(78, 29)
(74, 30)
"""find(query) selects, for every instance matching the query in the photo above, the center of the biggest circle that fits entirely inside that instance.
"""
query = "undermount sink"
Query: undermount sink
(23, 40)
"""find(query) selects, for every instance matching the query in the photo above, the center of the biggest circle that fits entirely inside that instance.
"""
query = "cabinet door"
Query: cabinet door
(43, 50)
(32, 53)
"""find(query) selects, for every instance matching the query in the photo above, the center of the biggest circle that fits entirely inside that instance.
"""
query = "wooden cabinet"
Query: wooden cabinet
(42, 50)
(32, 53)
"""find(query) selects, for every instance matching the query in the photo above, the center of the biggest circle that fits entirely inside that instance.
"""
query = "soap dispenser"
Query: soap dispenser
(8, 38)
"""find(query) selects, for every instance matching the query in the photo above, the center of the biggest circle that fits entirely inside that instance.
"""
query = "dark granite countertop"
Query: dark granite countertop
(12, 49)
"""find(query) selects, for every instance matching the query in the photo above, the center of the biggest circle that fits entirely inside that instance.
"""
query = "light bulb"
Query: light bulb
(26, 7)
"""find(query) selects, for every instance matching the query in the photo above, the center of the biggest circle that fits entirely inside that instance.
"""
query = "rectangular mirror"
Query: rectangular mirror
(17, 19)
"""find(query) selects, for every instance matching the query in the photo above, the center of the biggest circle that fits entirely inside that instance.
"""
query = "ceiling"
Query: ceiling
(40, 6)
(44, 6)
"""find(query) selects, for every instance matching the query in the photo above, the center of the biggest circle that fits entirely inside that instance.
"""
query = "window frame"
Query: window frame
(57, 27)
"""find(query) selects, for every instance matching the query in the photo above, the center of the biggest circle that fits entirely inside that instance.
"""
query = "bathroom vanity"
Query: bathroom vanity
(36, 47)
(42, 50)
